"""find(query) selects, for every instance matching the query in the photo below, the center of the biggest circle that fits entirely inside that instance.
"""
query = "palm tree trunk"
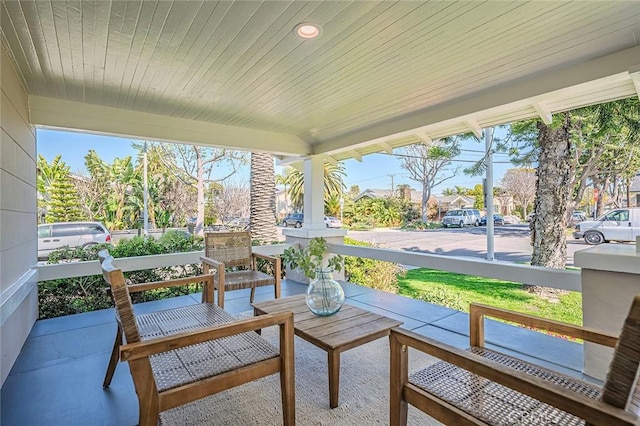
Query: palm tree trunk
(263, 203)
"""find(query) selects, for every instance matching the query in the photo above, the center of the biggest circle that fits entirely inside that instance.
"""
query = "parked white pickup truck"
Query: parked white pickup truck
(616, 225)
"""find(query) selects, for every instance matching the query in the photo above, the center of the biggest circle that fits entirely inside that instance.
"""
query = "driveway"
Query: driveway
(511, 243)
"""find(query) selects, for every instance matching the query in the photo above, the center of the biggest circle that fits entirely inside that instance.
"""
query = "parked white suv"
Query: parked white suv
(53, 236)
(461, 218)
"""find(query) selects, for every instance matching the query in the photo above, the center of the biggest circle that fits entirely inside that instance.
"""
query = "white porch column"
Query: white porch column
(313, 225)
(610, 280)
(314, 193)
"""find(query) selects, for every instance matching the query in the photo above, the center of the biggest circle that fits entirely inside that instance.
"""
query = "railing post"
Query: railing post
(301, 237)
(610, 279)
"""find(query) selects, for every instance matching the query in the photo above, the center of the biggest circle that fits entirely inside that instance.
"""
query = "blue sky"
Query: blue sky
(372, 173)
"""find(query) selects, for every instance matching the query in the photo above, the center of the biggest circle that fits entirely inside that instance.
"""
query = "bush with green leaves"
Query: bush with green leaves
(83, 294)
(370, 272)
(420, 225)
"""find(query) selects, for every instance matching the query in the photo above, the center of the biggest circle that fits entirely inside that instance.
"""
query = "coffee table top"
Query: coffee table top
(348, 328)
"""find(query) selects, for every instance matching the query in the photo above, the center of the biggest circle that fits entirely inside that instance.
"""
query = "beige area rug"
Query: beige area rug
(364, 392)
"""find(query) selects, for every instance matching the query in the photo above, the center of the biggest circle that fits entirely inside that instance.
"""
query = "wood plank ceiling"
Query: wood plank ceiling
(376, 63)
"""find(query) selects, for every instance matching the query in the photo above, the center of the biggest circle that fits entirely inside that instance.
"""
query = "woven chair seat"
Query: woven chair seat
(197, 362)
(238, 280)
(494, 403)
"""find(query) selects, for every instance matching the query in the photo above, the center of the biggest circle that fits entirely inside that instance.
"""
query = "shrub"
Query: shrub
(83, 294)
(362, 226)
(418, 225)
(371, 273)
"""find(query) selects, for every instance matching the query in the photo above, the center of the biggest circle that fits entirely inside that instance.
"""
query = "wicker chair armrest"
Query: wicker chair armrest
(593, 411)
(133, 288)
(478, 311)
(212, 262)
(146, 348)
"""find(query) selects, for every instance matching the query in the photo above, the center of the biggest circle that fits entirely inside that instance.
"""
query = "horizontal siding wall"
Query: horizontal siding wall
(18, 210)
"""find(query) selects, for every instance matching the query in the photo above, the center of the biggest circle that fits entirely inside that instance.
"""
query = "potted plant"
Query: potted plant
(325, 295)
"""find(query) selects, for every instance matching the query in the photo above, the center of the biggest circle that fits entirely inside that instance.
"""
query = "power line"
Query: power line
(452, 160)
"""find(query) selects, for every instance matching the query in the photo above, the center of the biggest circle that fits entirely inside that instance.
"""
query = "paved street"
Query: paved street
(511, 242)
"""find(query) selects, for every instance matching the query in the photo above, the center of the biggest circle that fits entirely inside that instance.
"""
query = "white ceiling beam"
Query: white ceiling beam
(424, 138)
(329, 159)
(634, 73)
(299, 166)
(77, 116)
(288, 160)
(356, 155)
(474, 127)
(478, 103)
(544, 113)
(386, 147)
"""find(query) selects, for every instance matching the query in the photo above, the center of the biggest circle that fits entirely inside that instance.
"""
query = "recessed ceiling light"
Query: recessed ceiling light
(307, 30)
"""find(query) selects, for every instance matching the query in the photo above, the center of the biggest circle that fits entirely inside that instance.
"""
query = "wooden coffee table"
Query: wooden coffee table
(347, 329)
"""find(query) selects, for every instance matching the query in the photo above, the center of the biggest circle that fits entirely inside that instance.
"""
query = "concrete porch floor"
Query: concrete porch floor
(57, 378)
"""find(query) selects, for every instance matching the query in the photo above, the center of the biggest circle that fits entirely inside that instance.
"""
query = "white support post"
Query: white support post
(313, 226)
(314, 192)
(488, 140)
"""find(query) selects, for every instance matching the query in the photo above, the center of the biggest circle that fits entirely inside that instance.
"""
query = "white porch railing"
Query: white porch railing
(532, 275)
(565, 279)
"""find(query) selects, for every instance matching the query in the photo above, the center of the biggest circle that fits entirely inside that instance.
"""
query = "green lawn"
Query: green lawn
(457, 291)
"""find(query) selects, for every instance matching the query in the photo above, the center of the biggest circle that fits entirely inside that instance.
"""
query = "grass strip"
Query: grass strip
(456, 291)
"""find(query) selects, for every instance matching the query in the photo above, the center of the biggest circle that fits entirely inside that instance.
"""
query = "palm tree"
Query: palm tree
(46, 176)
(262, 218)
(333, 186)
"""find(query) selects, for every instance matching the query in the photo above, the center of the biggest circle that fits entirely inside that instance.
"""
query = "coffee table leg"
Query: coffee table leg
(334, 378)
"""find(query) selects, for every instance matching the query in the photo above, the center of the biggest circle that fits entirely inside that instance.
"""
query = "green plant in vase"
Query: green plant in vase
(325, 296)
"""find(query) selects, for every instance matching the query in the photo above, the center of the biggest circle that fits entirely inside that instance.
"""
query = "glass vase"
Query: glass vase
(325, 295)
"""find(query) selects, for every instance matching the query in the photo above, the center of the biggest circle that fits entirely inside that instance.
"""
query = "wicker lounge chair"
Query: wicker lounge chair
(230, 254)
(170, 327)
(180, 355)
(480, 386)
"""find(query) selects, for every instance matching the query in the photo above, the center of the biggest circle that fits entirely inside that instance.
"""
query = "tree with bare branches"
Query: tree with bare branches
(430, 165)
(195, 166)
(521, 185)
(233, 200)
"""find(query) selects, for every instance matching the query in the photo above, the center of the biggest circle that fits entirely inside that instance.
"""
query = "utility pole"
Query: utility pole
(391, 176)
(145, 191)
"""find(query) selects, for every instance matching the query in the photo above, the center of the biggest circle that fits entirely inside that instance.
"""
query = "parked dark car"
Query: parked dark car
(293, 219)
(497, 220)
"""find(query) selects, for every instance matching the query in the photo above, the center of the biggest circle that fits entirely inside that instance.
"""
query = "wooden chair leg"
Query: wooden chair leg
(399, 376)
(287, 374)
(253, 293)
(113, 361)
(148, 401)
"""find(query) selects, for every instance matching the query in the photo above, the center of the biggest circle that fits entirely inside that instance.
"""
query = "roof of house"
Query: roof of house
(374, 193)
(453, 199)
